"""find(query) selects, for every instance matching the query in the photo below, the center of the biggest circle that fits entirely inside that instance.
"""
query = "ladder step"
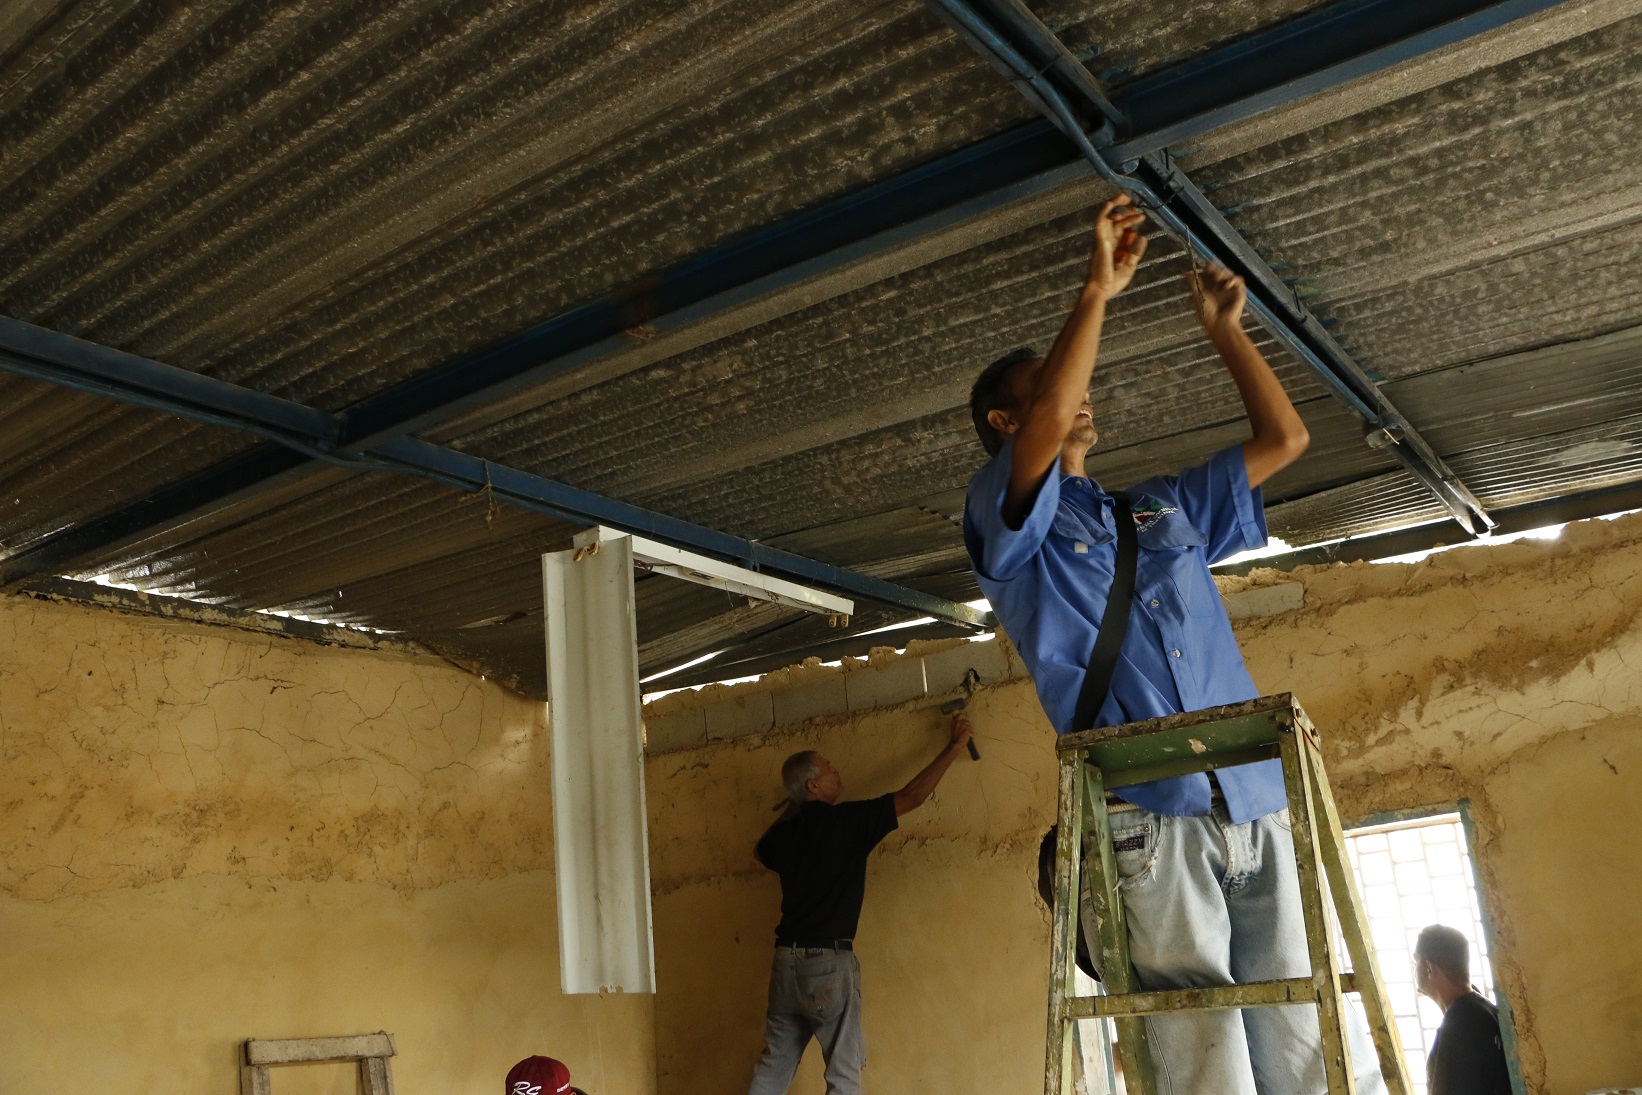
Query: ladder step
(1256, 994)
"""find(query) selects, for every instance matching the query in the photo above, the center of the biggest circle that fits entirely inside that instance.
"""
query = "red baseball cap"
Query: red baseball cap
(539, 1076)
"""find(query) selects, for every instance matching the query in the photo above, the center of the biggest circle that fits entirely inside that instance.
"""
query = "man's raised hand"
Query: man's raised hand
(1218, 296)
(1280, 434)
(1118, 247)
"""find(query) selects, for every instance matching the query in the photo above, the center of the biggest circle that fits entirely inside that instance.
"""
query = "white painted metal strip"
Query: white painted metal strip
(705, 570)
(602, 858)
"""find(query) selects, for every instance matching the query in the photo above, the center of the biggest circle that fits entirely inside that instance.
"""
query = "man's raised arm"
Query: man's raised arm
(1279, 434)
(1043, 415)
(922, 785)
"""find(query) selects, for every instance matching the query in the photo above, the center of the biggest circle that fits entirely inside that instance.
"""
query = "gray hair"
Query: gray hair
(1447, 949)
(796, 773)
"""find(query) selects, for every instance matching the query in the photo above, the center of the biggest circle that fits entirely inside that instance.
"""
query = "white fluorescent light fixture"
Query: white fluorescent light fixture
(659, 558)
(600, 838)
(601, 847)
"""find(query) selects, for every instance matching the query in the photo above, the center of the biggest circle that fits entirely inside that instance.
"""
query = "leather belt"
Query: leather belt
(817, 944)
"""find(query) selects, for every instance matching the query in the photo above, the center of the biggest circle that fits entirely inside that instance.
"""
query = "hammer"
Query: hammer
(952, 707)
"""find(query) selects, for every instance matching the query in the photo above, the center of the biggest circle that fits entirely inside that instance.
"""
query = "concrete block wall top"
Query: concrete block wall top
(681, 728)
(944, 670)
(856, 686)
(1265, 600)
(740, 714)
(810, 700)
(885, 685)
(824, 691)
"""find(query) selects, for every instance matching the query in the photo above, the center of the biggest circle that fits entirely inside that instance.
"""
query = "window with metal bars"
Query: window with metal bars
(1411, 872)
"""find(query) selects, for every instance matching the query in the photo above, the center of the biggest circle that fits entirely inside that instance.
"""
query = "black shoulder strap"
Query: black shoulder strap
(1114, 623)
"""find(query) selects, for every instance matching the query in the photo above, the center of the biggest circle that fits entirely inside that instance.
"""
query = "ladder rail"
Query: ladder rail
(1325, 965)
(1057, 1069)
(1134, 1046)
(1286, 992)
(1354, 924)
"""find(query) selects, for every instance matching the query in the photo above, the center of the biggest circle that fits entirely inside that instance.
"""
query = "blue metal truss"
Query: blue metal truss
(1054, 81)
(1312, 54)
(1317, 52)
(304, 434)
(970, 183)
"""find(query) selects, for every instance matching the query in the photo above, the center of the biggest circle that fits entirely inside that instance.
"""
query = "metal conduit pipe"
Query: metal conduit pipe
(1171, 198)
(1144, 194)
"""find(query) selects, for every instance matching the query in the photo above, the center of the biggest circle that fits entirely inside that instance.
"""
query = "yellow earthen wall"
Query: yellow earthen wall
(210, 836)
(1509, 675)
(206, 835)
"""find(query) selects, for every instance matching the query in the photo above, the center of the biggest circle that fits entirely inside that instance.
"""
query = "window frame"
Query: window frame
(1502, 998)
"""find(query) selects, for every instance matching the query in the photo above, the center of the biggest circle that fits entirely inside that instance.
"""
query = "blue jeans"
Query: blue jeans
(1213, 903)
(815, 993)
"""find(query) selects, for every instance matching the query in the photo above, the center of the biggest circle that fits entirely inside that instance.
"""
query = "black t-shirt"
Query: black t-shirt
(1468, 1057)
(821, 856)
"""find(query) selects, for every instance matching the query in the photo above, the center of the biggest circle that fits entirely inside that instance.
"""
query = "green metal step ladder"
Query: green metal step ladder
(1096, 761)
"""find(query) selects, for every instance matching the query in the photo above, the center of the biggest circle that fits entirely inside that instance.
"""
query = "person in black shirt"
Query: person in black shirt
(1467, 1058)
(819, 847)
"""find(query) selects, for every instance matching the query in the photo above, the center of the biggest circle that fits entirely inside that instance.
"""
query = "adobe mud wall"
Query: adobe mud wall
(1505, 675)
(210, 836)
(207, 836)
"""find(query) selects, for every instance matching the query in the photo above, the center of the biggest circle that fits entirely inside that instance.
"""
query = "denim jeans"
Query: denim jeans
(815, 993)
(1213, 903)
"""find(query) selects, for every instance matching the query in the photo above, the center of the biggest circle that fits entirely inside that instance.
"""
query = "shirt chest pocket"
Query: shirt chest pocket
(1078, 534)
(1174, 546)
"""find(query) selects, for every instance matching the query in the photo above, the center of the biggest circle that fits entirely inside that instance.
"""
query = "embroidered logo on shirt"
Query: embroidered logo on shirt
(1130, 843)
(1150, 512)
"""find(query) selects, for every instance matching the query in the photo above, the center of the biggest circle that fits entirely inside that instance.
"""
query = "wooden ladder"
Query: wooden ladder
(1096, 761)
(371, 1051)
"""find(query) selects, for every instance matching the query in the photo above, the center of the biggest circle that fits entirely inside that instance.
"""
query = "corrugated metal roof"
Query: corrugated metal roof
(66, 457)
(1481, 217)
(322, 202)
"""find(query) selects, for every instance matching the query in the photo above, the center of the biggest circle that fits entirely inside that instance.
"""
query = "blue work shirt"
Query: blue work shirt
(1048, 582)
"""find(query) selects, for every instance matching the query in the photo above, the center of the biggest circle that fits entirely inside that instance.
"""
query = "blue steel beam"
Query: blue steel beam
(1306, 56)
(970, 183)
(1317, 52)
(1012, 38)
(985, 178)
(305, 435)
(47, 355)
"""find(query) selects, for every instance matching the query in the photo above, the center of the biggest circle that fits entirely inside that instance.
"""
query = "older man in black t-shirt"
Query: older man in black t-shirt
(1468, 1057)
(819, 847)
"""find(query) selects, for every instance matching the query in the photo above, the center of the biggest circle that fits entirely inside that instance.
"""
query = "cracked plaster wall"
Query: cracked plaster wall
(210, 836)
(1505, 675)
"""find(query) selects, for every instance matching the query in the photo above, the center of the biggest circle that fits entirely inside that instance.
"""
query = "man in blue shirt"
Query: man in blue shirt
(1207, 865)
